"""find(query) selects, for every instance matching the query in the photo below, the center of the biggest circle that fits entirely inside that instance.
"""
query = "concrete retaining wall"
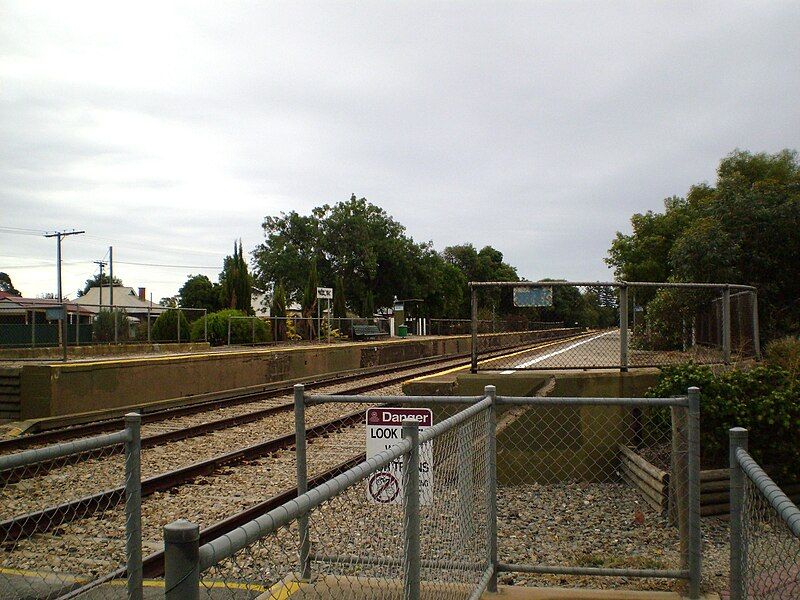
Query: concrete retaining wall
(63, 389)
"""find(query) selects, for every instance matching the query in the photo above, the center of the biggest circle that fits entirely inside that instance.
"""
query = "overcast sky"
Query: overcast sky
(171, 129)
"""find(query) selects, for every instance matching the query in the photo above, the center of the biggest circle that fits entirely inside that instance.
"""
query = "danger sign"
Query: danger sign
(384, 430)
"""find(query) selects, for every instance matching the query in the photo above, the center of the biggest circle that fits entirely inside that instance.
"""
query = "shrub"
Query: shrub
(103, 326)
(165, 329)
(765, 400)
(241, 329)
(785, 353)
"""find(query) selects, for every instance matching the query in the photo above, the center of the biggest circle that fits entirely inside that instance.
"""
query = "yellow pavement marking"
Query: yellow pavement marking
(283, 590)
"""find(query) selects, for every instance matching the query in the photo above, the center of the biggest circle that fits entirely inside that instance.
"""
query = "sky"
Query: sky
(170, 129)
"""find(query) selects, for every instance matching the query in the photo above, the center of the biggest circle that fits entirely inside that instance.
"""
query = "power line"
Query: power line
(21, 231)
(141, 264)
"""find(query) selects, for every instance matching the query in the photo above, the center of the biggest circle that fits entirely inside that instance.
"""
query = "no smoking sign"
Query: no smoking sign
(384, 430)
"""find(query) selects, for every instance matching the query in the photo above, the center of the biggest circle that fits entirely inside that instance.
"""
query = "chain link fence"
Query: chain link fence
(622, 324)
(529, 491)
(298, 329)
(495, 325)
(40, 328)
(765, 531)
(333, 541)
(46, 516)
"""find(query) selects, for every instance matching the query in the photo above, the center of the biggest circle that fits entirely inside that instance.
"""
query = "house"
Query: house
(126, 299)
(34, 321)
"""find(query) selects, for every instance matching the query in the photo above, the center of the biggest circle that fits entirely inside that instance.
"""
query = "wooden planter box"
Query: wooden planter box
(653, 483)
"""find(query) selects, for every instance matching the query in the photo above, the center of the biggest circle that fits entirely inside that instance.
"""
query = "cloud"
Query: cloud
(168, 130)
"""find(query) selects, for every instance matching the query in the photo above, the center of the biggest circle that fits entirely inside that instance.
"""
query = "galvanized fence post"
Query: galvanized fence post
(229, 331)
(756, 333)
(205, 324)
(726, 324)
(62, 329)
(491, 488)
(738, 566)
(411, 546)
(304, 541)
(623, 328)
(148, 323)
(253, 331)
(474, 330)
(181, 561)
(179, 313)
(133, 505)
(695, 539)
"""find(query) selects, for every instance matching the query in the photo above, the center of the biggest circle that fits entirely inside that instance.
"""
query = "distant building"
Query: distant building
(259, 303)
(19, 310)
(126, 299)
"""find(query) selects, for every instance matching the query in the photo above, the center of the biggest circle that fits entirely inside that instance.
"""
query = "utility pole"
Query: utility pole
(111, 288)
(59, 235)
(111, 276)
(100, 264)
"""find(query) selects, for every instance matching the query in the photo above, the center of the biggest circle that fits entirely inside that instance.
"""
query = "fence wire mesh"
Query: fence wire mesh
(35, 328)
(357, 545)
(59, 531)
(618, 326)
(771, 551)
(592, 486)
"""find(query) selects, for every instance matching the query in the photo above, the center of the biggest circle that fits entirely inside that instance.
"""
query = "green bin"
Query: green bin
(402, 330)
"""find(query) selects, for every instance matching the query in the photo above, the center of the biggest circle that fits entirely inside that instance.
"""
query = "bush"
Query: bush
(765, 400)
(785, 353)
(241, 329)
(103, 326)
(165, 329)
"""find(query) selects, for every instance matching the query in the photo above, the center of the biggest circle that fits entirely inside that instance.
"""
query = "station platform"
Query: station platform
(583, 378)
(92, 385)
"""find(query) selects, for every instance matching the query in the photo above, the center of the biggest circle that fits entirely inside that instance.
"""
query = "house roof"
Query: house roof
(11, 304)
(124, 298)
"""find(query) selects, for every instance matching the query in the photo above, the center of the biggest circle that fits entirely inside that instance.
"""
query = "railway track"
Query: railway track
(23, 526)
(239, 399)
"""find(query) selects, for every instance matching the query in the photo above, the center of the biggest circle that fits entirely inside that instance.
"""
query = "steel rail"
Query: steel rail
(13, 475)
(153, 564)
(101, 425)
(36, 522)
(94, 427)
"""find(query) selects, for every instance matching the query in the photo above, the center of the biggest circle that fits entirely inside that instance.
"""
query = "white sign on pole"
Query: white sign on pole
(326, 293)
(384, 430)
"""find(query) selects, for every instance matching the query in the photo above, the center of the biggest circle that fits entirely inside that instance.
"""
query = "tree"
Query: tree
(743, 230)
(93, 282)
(236, 283)
(7, 286)
(369, 306)
(309, 304)
(169, 302)
(200, 292)
(165, 328)
(278, 311)
(339, 300)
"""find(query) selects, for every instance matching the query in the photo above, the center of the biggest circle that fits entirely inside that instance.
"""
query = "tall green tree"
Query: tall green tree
(742, 230)
(278, 310)
(200, 292)
(7, 286)
(236, 283)
(339, 299)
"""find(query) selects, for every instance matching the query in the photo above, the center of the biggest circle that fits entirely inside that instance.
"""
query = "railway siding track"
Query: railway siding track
(37, 522)
(25, 526)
